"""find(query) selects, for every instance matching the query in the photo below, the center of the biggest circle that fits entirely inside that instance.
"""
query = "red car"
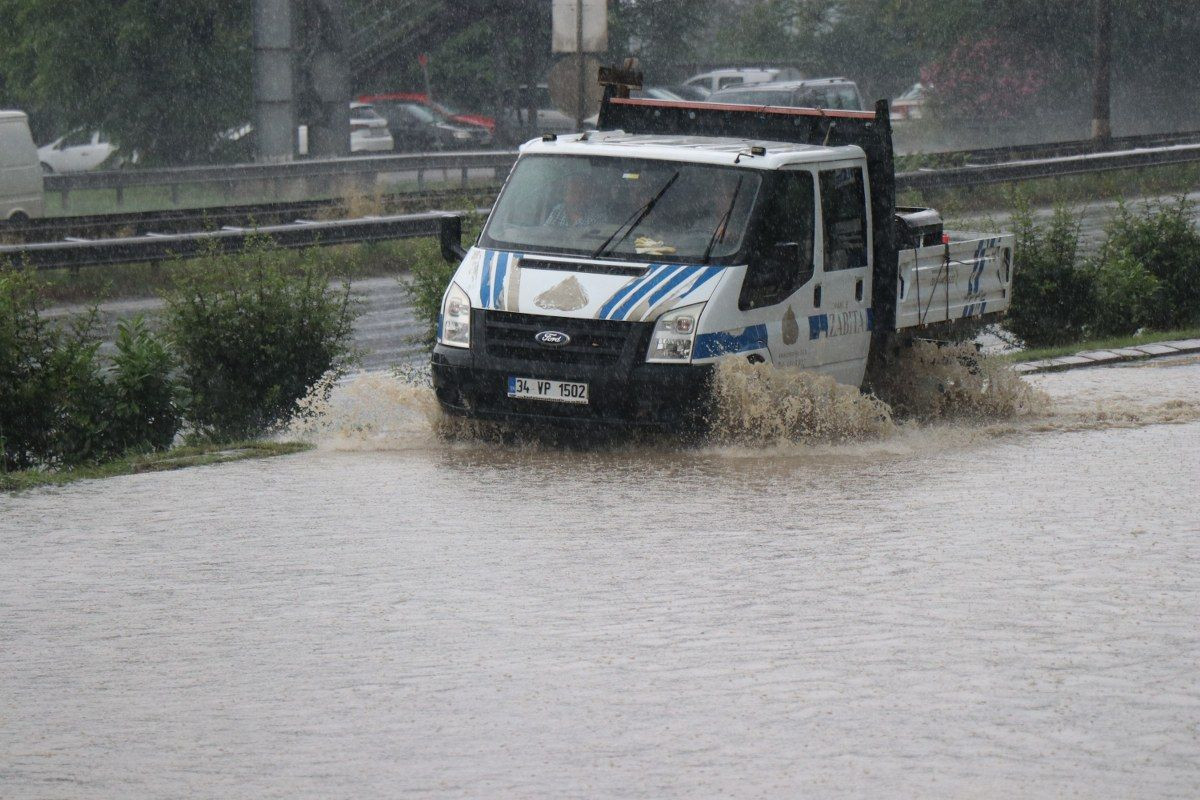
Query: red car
(423, 99)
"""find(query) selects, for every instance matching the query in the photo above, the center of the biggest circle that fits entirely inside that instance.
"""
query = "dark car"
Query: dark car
(693, 93)
(418, 128)
(422, 99)
(835, 93)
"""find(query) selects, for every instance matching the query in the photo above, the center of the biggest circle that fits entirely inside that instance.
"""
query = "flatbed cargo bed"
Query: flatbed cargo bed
(969, 275)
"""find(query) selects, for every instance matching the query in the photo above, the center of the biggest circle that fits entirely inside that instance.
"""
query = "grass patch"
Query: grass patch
(1039, 353)
(176, 458)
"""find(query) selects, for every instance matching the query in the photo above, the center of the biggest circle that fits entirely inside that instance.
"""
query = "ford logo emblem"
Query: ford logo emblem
(552, 338)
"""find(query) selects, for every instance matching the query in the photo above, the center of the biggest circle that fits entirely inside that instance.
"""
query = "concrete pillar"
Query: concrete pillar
(328, 75)
(1101, 73)
(274, 80)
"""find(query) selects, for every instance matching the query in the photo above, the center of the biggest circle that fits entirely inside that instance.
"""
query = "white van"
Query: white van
(738, 76)
(20, 174)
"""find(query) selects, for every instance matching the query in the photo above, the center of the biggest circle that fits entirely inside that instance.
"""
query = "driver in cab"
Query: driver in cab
(578, 208)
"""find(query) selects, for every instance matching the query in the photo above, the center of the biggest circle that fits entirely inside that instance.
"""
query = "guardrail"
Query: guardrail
(316, 178)
(186, 220)
(944, 178)
(447, 227)
(1023, 152)
(1033, 169)
(330, 177)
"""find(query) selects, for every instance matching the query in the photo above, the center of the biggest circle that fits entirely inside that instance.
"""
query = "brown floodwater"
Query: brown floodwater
(987, 607)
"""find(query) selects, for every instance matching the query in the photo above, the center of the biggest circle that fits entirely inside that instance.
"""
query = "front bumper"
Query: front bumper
(666, 396)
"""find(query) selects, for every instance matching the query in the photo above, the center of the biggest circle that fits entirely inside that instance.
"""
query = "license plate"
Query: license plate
(558, 391)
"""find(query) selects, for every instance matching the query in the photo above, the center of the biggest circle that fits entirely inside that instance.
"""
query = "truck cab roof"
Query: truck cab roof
(718, 150)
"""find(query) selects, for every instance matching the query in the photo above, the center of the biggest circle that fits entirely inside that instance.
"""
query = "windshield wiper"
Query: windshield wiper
(636, 218)
(718, 234)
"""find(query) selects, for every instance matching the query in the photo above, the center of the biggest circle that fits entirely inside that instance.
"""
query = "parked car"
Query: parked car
(737, 76)
(419, 128)
(651, 92)
(420, 98)
(369, 130)
(691, 92)
(80, 151)
(911, 104)
(368, 134)
(547, 119)
(20, 176)
(836, 93)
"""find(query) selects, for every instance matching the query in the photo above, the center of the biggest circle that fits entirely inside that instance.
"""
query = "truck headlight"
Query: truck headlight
(454, 323)
(674, 335)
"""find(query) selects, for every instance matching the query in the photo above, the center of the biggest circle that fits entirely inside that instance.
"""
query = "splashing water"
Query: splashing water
(760, 404)
(931, 382)
(925, 394)
(368, 411)
(753, 405)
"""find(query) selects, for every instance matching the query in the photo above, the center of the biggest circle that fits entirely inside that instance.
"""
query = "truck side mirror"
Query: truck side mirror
(450, 239)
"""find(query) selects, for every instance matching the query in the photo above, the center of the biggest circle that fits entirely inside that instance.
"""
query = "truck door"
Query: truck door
(777, 291)
(842, 316)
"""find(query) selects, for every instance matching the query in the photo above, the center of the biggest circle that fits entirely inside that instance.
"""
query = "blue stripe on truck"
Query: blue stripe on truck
(710, 345)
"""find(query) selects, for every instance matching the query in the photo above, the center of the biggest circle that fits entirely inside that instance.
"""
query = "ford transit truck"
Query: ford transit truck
(618, 266)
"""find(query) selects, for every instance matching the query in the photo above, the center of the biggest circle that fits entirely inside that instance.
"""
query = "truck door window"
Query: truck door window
(782, 259)
(843, 206)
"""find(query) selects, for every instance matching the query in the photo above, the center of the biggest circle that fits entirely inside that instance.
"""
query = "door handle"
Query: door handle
(858, 290)
(817, 296)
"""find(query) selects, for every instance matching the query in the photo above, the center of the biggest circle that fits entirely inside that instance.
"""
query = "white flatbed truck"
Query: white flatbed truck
(618, 266)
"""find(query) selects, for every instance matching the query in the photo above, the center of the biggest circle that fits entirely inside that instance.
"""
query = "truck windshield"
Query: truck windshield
(578, 204)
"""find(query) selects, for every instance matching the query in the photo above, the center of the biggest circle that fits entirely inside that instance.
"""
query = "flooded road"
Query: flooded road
(985, 610)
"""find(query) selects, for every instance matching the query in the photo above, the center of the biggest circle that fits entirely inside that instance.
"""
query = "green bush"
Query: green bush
(58, 406)
(1127, 296)
(146, 400)
(1053, 297)
(27, 385)
(253, 331)
(1164, 243)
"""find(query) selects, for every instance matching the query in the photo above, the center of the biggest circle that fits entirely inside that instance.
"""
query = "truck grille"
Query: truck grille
(596, 342)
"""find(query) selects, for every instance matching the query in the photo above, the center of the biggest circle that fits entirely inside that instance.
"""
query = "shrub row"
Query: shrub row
(245, 337)
(1146, 274)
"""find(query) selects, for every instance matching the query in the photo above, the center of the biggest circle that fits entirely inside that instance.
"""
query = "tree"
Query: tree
(661, 32)
(160, 76)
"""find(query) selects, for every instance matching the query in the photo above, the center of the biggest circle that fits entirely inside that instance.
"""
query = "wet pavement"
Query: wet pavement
(975, 609)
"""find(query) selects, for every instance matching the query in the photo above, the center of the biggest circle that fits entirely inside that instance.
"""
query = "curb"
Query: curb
(1095, 358)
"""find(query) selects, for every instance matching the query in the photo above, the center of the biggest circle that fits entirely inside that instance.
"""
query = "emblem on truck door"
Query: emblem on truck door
(552, 338)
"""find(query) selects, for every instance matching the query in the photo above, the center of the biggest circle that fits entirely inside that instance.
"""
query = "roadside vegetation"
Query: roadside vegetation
(156, 461)
(1145, 276)
(244, 337)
